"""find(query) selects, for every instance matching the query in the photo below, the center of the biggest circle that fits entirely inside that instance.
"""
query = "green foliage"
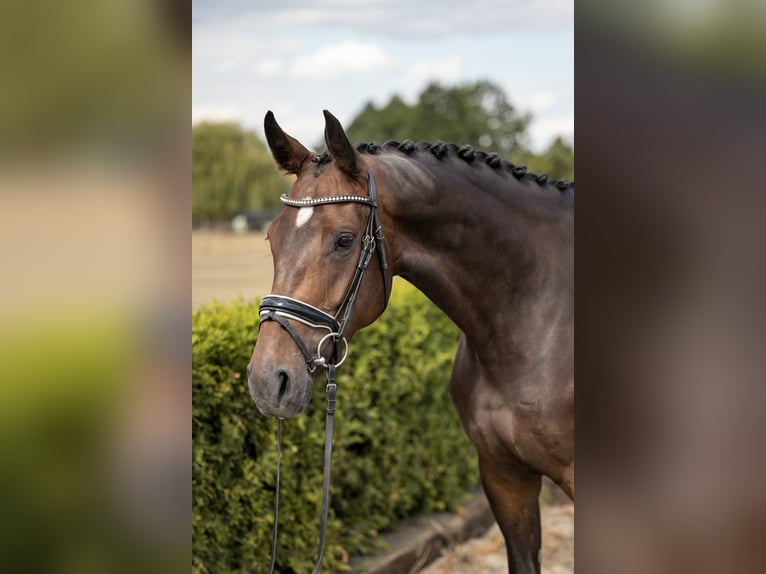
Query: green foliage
(232, 172)
(476, 113)
(97, 77)
(399, 449)
(74, 405)
(557, 161)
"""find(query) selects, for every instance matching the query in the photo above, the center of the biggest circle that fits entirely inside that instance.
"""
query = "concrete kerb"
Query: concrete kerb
(419, 541)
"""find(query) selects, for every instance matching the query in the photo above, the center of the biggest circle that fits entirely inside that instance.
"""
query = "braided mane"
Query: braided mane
(466, 153)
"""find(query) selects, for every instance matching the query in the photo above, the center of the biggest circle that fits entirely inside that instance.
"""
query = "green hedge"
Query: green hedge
(399, 449)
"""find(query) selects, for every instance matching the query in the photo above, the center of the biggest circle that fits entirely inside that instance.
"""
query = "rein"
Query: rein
(282, 310)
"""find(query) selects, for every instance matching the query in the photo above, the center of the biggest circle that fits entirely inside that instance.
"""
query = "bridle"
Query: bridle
(282, 310)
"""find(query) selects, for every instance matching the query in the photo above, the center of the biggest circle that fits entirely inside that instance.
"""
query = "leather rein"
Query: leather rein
(282, 310)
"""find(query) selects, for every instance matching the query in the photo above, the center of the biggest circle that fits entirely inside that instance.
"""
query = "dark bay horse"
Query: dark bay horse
(490, 244)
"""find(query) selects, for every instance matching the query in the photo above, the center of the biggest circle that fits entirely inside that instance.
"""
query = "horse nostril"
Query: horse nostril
(249, 369)
(283, 380)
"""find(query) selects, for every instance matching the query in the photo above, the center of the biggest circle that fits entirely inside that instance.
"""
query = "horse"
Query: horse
(488, 242)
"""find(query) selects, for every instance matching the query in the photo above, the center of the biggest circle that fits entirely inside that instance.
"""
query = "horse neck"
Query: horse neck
(478, 243)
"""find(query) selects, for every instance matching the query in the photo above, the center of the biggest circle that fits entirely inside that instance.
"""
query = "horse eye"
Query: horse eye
(344, 241)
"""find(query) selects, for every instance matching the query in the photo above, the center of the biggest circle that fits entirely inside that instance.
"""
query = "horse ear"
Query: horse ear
(339, 146)
(288, 152)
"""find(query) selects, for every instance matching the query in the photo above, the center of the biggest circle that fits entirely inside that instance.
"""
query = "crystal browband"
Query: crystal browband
(311, 202)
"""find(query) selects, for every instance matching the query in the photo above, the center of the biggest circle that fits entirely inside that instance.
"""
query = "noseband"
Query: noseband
(282, 310)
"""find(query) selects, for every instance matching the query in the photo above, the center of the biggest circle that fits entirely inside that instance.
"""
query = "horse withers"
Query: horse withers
(488, 242)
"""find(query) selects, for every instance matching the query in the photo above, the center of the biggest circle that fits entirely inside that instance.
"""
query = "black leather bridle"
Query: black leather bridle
(282, 310)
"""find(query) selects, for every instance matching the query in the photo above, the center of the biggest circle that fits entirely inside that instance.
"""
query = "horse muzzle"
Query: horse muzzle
(279, 390)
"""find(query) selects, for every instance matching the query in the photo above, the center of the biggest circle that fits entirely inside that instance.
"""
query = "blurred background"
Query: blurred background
(95, 207)
(96, 201)
(670, 281)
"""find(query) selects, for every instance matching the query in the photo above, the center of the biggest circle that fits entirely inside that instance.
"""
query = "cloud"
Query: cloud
(338, 60)
(282, 49)
(446, 70)
(538, 102)
(228, 65)
(544, 129)
(268, 66)
(401, 18)
(214, 114)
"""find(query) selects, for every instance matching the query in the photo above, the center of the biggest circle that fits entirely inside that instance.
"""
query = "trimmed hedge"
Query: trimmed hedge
(398, 446)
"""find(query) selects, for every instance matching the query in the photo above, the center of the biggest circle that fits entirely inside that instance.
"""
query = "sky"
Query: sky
(298, 57)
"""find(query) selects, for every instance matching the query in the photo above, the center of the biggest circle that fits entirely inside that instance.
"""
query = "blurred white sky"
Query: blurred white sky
(297, 57)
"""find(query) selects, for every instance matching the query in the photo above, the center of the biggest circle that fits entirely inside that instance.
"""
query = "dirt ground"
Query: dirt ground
(226, 266)
(486, 554)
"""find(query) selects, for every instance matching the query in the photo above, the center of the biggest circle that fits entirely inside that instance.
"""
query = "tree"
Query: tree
(232, 172)
(557, 161)
(476, 113)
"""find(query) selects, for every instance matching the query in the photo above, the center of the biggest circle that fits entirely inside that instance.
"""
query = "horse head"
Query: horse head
(321, 242)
